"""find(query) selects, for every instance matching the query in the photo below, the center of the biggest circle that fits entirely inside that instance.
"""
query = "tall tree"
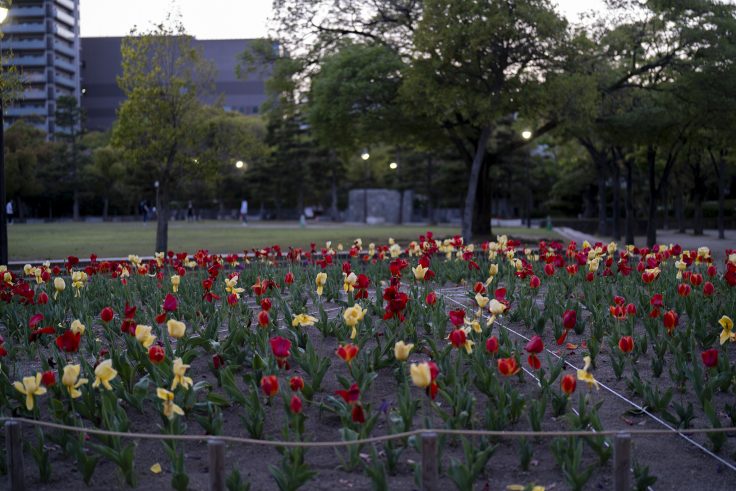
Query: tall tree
(163, 76)
(68, 118)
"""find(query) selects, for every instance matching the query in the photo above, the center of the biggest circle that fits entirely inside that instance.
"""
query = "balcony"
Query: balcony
(26, 111)
(27, 28)
(64, 32)
(34, 94)
(34, 77)
(66, 81)
(65, 65)
(65, 49)
(66, 3)
(64, 17)
(29, 11)
(24, 44)
(26, 61)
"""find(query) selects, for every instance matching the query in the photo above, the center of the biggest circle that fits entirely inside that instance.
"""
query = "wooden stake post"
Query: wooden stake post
(14, 453)
(429, 461)
(216, 449)
(621, 461)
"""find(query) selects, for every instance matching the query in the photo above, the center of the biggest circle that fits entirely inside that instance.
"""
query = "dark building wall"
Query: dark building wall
(102, 64)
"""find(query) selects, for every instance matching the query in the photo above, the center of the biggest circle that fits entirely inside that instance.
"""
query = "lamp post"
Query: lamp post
(365, 156)
(3, 202)
(527, 135)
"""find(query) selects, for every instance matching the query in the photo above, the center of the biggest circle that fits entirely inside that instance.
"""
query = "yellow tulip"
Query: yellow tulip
(421, 375)
(77, 327)
(170, 407)
(402, 350)
(349, 282)
(180, 369)
(104, 373)
(175, 281)
(144, 336)
(352, 316)
(481, 300)
(71, 380)
(395, 250)
(303, 320)
(176, 328)
(584, 375)
(320, 280)
(727, 333)
(59, 286)
(419, 272)
(31, 387)
(231, 286)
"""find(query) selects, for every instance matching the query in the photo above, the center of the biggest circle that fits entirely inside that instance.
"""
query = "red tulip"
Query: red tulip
(270, 385)
(670, 321)
(280, 347)
(589, 276)
(710, 357)
(48, 378)
(711, 271)
(347, 352)
(535, 345)
(68, 341)
(492, 345)
(156, 354)
(683, 289)
(296, 383)
(619, 300)
(289, 278)
(508, 366)
(568, 384)
(217, 361)
(631, 309)
(266, 304)
(549, 269)
(431, 298)
(656, 300)
(626, 344)
(263, 318)
(107, 314)
(295, 405)
(569, 319)
(357, 414)
(232, 300)
(457, 317)
(534, 282)
(457, 338)
(708, 289)
(35, 320)
(170, 303)
(350, 396)
(696, 279)
(43, 298)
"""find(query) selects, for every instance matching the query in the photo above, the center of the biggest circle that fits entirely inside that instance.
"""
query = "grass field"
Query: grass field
(59, 240)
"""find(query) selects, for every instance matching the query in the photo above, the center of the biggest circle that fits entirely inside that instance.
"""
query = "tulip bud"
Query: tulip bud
(568, 384)
(107, 314)
(295, 405)
(296, 383)
(156, 354)
(492, 345)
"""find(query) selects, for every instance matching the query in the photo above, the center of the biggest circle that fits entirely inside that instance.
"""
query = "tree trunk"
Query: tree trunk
(630, 217)
(601, 182)
(105, 208)
(482, 211)
(666, 203)
(680, 212)
(698, 196)
(616, 232)
(430, 191)
(652, 215)
(334, 215)
(162, 218)
(470, 198)
(75, 206)
(722, 197)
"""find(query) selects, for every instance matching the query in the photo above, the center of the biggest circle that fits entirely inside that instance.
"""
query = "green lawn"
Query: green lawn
(58, 240)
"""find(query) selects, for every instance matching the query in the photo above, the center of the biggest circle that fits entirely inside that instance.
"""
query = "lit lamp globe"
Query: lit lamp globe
(526, 134)
(393, 166)
(365, 155)
(239, 164)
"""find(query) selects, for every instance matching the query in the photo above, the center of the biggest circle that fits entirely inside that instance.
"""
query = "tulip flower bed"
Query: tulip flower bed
(331, 345)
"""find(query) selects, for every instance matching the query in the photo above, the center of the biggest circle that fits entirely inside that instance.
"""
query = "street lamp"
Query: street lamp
(526, 134)
(239, 164)
(365, 156)
(3, 203)
(393, 166)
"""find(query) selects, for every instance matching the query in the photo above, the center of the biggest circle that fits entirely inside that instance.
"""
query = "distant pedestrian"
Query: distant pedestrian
(143, 210)
(190, 212)
(9, 211)
(244, 212)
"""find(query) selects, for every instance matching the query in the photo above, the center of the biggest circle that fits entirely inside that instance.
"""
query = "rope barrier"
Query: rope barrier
(363, 441)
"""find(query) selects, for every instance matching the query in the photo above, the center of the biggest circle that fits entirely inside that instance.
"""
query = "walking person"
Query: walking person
(190, 212)
(9, 211)
(244, 212)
